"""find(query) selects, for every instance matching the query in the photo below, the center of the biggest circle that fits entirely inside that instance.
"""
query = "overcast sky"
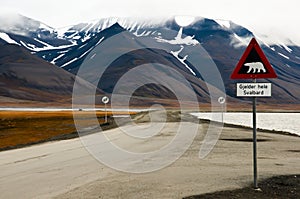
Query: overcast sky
(266, 16)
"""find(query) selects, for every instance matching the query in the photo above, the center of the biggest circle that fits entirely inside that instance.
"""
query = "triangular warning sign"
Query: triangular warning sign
(253, 64)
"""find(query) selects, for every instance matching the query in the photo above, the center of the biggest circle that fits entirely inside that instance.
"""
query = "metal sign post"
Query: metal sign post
(105, 113)
(105, 100)
(221, 101)
(252, 65)
(254, 143)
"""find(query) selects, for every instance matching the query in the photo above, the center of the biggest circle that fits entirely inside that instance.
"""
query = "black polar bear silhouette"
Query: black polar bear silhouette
(256, 67)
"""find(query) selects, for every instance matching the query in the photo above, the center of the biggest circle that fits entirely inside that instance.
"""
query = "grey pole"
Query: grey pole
(105, 113)
(254, 143)
(222, 109)
(222, 100)
(105, 100)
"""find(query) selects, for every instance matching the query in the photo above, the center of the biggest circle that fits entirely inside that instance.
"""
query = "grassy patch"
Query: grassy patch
(19, 129)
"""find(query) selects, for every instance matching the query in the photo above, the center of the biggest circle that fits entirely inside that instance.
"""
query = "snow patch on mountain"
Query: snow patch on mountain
(286, 48)
(57, 58)
(75, 58)
(21, 25)
(283, 55)
(237, 41)
(46, 46)
(268, 37)
(99, 41)
(84, 31)
(131, 23)
(86, 38)
(182, 60)
(143, 34)
(6, 38)
(275, 38)
(69, 62)
(48, 28)
(223, 23)
(187, 40)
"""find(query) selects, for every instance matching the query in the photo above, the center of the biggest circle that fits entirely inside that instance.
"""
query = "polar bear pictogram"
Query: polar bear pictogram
(256, 67)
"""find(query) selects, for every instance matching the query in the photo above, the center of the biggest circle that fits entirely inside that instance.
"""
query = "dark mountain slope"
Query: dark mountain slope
(25, 76)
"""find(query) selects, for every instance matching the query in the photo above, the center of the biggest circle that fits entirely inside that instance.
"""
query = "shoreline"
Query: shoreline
(287, 123)
(250, 128)
(111, 124)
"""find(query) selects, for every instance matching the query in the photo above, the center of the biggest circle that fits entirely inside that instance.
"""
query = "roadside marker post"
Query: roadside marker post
(253, 65)
(105, 100)
(221, 101)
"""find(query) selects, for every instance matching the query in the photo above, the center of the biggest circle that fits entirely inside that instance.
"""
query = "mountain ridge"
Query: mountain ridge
(222, 39)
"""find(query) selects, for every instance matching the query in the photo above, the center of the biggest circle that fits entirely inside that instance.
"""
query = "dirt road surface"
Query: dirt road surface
(64, 169)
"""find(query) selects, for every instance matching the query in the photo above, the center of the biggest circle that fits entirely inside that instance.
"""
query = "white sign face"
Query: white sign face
(253, 89)
(105, 100)
(221, 100)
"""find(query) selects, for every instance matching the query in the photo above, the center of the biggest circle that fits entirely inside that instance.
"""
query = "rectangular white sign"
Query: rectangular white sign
(253, 89)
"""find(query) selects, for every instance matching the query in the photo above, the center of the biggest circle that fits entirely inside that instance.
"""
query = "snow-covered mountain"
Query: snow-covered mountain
(29, 33)
(224, 40)
(38, 37)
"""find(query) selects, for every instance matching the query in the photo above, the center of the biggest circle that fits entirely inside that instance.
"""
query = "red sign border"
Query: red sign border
(253, 44)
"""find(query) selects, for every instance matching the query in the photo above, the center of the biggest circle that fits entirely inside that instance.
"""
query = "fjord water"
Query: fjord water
(286, 122)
